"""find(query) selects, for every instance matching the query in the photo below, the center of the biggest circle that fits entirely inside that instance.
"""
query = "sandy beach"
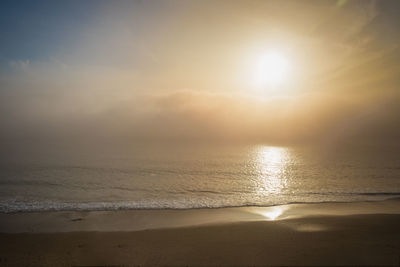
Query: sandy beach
(331, 234)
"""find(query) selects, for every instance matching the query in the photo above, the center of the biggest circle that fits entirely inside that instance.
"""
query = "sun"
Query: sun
(272, 69)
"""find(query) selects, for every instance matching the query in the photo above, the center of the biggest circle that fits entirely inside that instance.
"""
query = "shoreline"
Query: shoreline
(334, 234)
(394, 196)
(143, 219)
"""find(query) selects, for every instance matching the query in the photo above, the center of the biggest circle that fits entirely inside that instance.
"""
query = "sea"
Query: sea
(193, 176)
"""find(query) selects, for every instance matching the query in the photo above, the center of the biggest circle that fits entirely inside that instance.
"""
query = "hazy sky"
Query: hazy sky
(184, 71)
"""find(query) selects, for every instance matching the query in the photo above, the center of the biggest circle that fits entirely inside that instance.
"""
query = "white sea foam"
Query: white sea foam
(36, 206)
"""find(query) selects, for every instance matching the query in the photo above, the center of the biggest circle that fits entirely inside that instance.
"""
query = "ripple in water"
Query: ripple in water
(173, 177)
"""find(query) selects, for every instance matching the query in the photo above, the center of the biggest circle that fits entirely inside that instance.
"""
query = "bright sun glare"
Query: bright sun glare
(272, 69)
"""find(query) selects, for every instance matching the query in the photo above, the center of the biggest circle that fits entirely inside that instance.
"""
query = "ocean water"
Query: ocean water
(182, 177)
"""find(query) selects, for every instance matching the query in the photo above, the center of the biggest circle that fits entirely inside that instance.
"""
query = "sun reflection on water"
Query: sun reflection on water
(271, 163)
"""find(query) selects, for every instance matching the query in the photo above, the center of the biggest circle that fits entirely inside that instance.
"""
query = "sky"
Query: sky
(184, 71)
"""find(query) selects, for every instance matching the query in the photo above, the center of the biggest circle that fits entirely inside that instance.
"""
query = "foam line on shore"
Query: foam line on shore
(134, 220)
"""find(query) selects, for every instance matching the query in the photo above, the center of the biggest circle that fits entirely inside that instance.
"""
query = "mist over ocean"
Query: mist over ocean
(195, 176)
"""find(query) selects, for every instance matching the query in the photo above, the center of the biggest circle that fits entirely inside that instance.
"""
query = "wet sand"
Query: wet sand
(345, 234)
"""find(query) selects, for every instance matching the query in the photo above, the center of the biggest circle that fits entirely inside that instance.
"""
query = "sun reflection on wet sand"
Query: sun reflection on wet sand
(271, 163)
(273, 213)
